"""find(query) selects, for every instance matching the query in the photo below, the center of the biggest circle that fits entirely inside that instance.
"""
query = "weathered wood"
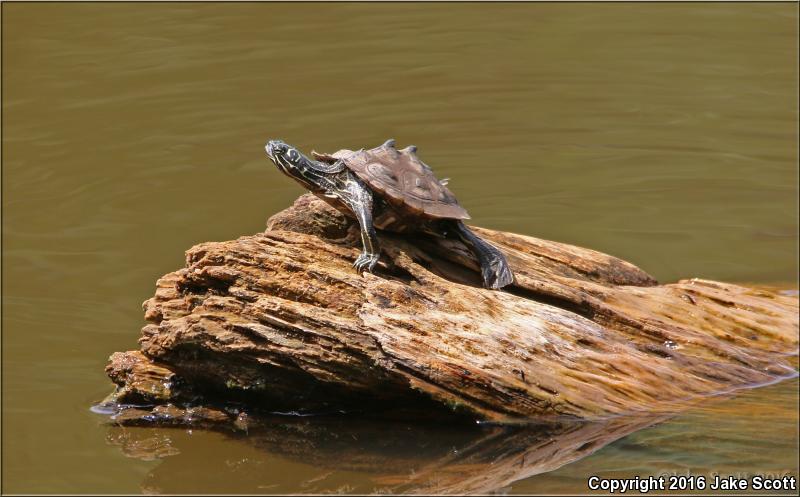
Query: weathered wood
(281, 320)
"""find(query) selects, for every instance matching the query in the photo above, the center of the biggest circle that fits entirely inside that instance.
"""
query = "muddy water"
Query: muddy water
(663, 134)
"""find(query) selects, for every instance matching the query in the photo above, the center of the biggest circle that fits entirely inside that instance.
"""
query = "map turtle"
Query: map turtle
(388, 189)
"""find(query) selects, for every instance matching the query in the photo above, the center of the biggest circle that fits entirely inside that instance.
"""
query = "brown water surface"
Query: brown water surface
(663, 134)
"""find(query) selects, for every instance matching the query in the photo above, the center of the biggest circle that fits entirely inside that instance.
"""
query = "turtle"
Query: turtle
(391, 190)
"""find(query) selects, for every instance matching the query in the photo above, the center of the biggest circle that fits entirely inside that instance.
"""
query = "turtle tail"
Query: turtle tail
(494, 267)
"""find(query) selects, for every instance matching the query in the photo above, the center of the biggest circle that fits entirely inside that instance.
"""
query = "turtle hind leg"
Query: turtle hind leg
(494, 267)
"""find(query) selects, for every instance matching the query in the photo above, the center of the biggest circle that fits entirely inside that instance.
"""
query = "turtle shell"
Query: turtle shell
(401, 177)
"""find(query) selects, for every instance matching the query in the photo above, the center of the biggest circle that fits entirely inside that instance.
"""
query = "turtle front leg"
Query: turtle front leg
(358, 199)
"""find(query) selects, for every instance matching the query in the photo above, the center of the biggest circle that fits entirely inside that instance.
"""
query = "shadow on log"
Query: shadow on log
(281, 321)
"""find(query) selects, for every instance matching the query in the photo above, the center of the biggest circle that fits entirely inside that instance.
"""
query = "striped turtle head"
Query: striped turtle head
(292, 163)
(288, 159)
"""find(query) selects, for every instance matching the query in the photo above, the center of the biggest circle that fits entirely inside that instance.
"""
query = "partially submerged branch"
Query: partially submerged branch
(280, 320)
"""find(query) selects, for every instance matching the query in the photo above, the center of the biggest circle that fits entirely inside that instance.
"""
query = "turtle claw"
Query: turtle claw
(366, 262)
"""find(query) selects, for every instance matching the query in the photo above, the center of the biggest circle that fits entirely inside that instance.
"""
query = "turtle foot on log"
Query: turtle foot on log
(279, 321)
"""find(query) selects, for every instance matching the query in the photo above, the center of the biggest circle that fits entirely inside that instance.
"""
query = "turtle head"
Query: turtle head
(293, 163)
(288, 159)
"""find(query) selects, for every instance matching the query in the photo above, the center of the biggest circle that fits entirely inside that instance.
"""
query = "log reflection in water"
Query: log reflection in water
(396, 457)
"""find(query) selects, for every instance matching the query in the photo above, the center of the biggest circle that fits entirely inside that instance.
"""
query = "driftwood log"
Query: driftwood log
(280, 321)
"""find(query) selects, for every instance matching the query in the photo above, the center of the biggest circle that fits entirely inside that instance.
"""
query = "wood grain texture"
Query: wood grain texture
(280, 319)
